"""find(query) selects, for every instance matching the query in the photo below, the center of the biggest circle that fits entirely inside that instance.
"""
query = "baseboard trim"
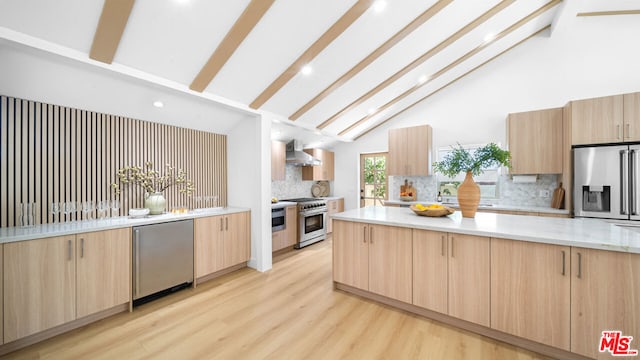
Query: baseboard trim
(49, 333)
(219, 273)
(462, 324)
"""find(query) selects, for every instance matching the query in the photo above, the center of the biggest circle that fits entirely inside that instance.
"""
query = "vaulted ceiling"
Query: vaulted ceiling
(339, 67)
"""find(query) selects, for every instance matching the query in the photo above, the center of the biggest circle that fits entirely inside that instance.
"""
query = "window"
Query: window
(373, 179)
(488, 181)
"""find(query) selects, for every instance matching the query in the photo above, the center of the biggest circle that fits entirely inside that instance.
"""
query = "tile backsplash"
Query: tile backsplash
(510, 193)
(292, 186)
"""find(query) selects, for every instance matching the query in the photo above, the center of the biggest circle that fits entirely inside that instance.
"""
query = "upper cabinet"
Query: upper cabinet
(632, 117)
(321, 172)
(598, 120)
(410, 151)
(278, 160)
(535, 141)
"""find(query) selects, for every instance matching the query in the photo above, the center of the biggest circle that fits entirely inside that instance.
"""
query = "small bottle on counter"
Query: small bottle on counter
(439, 198)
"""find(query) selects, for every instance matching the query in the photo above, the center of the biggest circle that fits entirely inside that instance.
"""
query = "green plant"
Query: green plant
(462, 160)
(151, 180)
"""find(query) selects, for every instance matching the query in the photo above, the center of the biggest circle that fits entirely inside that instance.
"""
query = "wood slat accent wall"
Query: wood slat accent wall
(53, 153)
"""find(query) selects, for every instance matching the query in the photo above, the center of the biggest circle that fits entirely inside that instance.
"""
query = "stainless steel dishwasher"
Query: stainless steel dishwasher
(162, 257)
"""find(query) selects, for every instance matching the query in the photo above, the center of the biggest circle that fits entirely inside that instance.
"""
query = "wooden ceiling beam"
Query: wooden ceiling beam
(449, 83)
(415, 63)
(113, 20)
(236, 35)
(457, 62)
(399, 36)
(607, 13)
(327, 38)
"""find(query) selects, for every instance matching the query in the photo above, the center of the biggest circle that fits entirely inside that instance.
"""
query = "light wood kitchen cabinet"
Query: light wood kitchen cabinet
(278, 160)
(1, 296)
(598, 120)
(325, 171)
(632, 117)
(351, 254)
(289, 236)
(237, 244)
(410, 151)
(604, 296)
(103, 270)
(430, 270)
(39, 285)
(535, 141)
(221, 241)
(375, 258)
(469, 278)
(530, 291)
(333, 207)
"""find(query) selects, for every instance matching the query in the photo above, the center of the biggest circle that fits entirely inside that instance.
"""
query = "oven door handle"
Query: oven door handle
(312, 212)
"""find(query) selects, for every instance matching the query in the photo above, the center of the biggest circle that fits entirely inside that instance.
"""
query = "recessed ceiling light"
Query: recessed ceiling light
(372, 111)
(423, 79)
(489, 37)
(379, 6)
(158, 104)
(306, 70)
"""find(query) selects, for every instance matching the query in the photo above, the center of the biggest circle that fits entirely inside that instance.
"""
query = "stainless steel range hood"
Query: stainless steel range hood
(297, 157)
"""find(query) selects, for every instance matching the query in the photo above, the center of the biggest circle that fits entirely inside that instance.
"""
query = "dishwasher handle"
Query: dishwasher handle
(136, 262)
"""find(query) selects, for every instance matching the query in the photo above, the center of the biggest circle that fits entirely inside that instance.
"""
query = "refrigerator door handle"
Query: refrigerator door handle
(632, 182)
(624, 182)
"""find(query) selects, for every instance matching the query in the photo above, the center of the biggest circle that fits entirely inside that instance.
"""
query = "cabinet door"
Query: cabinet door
(535, 142)
(39, 285)
(390, 262)
(418, 156)
(291, 219)
(632, 117)
(1, 298)
(208, 237)
(604, 296)
(237, 238)
(351, 254)
(103, 270)
(331, 206)
(278, 160)
(469, 278)
(396, 161)
(430, 273)
(278, 240)
(595, 121)
(530, 291)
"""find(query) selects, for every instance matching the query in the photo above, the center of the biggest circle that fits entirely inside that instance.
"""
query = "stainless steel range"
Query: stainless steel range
(312, 221)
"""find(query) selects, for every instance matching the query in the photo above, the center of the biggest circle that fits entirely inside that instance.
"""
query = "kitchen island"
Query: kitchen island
(551, 285)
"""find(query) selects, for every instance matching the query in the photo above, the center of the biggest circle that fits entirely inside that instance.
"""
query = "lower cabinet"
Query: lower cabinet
(102, 270)
(375, 258)
(530, 291)
(333, 207)
(431, 270)
(52, 281)
(39, 285)
(289, 236)
(1, 297)
(605, 295)
(221, 241)
(469, 278)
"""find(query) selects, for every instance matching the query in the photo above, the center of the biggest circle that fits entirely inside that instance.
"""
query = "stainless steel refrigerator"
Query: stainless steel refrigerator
(606, 181)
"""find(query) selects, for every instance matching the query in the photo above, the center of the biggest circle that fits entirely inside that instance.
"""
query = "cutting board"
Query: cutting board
(408, 188)
(558, 197)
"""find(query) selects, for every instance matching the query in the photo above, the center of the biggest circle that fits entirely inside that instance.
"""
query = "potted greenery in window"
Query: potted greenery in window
(473, 164)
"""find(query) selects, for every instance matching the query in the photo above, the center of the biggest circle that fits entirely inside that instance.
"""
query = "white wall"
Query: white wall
(583, 58)
(249, 182)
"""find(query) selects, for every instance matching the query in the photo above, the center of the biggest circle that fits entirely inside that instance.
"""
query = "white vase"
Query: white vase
(155, 202)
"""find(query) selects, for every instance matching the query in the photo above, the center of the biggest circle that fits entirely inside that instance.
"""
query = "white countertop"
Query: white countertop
(582, 232)
(547, 210)
(11, 234)
(281, 204)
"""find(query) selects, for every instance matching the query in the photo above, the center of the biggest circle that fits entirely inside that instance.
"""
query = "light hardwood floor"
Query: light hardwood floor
(290, 312)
